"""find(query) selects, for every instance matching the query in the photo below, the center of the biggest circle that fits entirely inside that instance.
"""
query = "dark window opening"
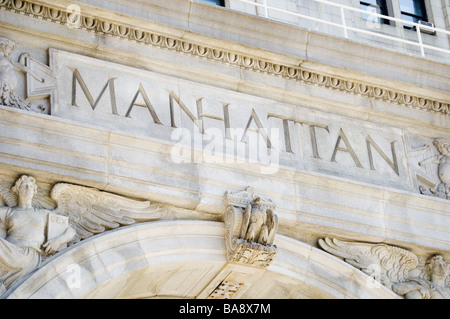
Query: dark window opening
(376, 6)
(414, 11)
(217, 2)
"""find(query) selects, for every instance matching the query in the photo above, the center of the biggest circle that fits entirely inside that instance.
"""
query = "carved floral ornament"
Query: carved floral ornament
(395, 267)
(112, 28)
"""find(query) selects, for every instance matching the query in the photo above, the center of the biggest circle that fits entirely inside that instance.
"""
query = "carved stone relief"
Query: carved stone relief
(35, 225)
(40, 81)
(442, 160)
(251, 226)
(8, 78)
(102, 26)
(396, 268)
(429, 163)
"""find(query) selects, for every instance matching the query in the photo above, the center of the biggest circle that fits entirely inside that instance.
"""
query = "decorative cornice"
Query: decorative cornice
(296, 73)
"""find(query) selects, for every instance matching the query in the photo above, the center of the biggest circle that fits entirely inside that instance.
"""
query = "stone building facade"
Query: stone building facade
(214, 150)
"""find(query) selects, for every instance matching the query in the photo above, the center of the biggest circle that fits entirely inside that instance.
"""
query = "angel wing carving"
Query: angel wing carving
(91, 211)
(6, 197)
(387, 264)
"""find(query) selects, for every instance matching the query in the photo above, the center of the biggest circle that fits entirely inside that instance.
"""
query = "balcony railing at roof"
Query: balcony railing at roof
(345, 28)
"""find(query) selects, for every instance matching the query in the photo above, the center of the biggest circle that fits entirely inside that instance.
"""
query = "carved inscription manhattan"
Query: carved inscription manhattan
(225, 124)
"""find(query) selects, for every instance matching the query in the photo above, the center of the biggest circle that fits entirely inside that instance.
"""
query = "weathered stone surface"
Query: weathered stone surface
(113, 110)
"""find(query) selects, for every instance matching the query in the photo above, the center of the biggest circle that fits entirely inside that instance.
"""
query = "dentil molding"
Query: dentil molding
(102, 26)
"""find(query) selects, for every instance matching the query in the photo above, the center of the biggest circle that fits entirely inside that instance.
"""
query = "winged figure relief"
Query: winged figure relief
(395, 267)
(91, 211)
(37, 222)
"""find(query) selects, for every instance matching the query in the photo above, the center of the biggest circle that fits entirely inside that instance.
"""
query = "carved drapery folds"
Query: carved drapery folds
(395, 267)
(442, 160)
(38, 76)
(34, 223)
(251, 226)
(8, 80)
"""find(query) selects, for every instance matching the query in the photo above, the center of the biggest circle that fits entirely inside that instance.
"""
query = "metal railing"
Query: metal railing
(345, 27)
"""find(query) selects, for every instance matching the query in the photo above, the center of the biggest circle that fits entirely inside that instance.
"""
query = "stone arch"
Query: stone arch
(187, 259)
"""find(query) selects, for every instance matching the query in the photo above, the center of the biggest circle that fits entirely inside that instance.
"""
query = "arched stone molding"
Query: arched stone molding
(187, 259)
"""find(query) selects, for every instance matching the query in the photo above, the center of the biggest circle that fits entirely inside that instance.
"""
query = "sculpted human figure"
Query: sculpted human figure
(397, 268)
(23, 234)
(442, 190)
(28, 234)
(443, 146)
(435, 288)
(8, 80)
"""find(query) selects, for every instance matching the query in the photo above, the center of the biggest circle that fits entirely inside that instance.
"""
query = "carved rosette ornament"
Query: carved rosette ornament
(8, 80)
(251, 226)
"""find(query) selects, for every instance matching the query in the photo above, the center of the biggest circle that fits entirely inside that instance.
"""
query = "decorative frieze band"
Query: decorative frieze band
(296, 73)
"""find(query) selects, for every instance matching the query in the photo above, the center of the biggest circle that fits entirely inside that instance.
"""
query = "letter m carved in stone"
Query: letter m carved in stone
(93, 103)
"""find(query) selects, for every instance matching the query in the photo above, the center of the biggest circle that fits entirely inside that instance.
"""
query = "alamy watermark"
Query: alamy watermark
(374, 274)
(73, 16)
(234, 146)
(72, 276)
(372, 21)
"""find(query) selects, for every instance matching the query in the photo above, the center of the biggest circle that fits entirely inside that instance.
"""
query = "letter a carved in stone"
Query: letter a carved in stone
(251, 225)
